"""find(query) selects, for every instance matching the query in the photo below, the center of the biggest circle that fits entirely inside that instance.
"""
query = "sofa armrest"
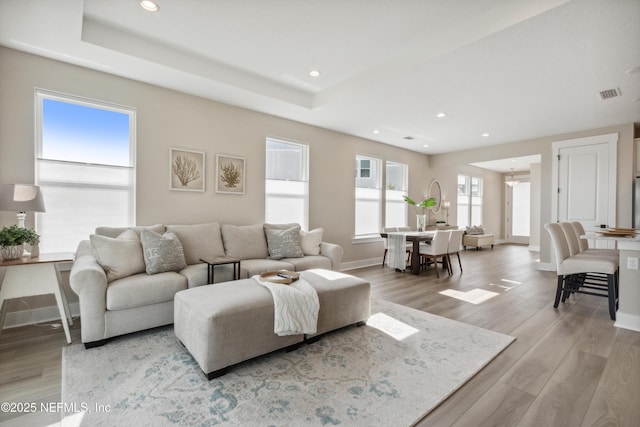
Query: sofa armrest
(333, 252)
(88, 279)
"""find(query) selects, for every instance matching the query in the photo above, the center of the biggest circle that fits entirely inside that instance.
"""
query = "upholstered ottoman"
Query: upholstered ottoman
(478, 240)
(230, 322)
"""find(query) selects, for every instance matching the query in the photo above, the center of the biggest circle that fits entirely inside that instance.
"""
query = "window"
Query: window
(395, 206)
(469, 200)
(85, 166)
(286, 182)
(368, 217)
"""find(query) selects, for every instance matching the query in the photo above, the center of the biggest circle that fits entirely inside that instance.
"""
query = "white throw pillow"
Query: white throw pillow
(310, 241)
(119, 257)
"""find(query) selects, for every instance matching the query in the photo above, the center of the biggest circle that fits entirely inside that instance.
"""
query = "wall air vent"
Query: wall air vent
(610, 93)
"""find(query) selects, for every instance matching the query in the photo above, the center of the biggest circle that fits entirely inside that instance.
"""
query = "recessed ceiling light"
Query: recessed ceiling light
(484, 135)
(425, 146)
(376, 131)
(149, 6)
(314, 73)
(441, 115)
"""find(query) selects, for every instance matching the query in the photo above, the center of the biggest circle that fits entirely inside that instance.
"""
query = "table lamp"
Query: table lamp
(21, 198)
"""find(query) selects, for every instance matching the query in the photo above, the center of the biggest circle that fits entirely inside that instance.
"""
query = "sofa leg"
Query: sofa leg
(216, 374)
(93, 344)
(361, 323)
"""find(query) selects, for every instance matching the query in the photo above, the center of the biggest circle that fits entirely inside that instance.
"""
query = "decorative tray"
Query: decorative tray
(284, 277)
(618, 232)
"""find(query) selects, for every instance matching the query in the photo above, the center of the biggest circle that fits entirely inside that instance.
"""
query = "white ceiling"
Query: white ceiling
(514, 69)
(514, 164)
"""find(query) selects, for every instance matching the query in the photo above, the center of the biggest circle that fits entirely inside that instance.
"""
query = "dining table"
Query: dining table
(415, 237)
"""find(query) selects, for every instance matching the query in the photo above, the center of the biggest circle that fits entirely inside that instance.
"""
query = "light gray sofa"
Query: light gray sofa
(116, 297)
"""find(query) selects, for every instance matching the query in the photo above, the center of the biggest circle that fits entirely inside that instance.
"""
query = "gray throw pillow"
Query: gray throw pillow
(162, 252)
(284, 243)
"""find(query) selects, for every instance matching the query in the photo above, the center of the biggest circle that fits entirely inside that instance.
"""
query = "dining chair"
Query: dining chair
(455, 241)
(575, 273)
(584, 243)
(437, 250)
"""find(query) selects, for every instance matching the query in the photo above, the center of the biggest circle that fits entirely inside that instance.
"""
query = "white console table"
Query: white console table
(628, 314)
(26, 277)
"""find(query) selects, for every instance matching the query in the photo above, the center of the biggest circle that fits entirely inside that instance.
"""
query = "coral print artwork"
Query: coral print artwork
(186, 169)
(230, 172)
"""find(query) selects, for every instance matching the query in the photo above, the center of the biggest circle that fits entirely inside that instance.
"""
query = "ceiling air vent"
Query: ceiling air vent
(610, 93)
(409, 138)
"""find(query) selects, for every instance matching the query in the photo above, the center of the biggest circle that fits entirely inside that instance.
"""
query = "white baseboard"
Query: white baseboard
(37, 315)
(546, 266)
(352, 265)
(627, 321)
(534, 248)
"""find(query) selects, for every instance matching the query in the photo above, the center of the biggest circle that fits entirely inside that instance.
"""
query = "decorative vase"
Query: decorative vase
(421, 221)
(11, 252)
(35, 250)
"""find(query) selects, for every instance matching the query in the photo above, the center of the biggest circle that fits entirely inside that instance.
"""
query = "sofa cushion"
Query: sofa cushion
(244, 242)
(251, 267)
(142, 289)
(474, 230)
(310, 241)
(162, 252)
(283, 243)
(119, 257)
(196, 274)
(309, 262)
(116, 231)
(199, 241)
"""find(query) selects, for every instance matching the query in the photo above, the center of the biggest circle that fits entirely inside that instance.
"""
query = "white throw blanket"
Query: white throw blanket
(295, 307)
(397, 247)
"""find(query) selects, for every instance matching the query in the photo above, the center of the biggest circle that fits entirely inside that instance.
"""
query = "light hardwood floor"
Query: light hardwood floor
(567, 367)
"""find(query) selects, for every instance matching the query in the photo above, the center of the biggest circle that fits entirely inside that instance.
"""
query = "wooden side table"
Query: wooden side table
(26, 277)
(212, 262)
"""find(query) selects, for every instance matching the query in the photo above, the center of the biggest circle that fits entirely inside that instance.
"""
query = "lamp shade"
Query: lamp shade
(21, 198)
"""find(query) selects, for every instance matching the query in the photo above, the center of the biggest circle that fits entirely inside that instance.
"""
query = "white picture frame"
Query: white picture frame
(230, 174)
(186, 170)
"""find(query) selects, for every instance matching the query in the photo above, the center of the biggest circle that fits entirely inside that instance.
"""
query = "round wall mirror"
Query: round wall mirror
(436, 192)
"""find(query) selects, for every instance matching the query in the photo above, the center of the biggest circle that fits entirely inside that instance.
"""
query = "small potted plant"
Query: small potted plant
(12, 240)
(421, 218)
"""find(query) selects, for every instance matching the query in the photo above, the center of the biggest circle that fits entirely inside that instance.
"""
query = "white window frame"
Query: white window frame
(375, 195)
(301, 186)
(471, 205)
(392, 199)
(78, 225)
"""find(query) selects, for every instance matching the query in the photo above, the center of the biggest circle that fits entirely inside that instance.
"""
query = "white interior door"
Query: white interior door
(585, 180)
(518, 212)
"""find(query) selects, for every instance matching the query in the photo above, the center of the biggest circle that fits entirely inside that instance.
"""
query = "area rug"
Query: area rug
(390, 372)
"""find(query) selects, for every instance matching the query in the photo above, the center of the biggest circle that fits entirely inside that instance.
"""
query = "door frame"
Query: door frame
(612, 140)
(508, 212)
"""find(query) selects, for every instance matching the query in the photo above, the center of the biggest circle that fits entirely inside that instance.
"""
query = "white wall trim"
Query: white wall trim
(16, 319)
(352, 265)
(534, 248)
(627, 321)
(546, 266)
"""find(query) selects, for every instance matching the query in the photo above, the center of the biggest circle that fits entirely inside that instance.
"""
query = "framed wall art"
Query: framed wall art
(230, 174)
(186, 170)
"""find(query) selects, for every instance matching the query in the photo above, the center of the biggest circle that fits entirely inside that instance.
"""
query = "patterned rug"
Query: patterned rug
(391, 372)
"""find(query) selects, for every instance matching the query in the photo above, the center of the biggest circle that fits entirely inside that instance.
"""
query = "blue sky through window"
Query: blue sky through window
(79, 133)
